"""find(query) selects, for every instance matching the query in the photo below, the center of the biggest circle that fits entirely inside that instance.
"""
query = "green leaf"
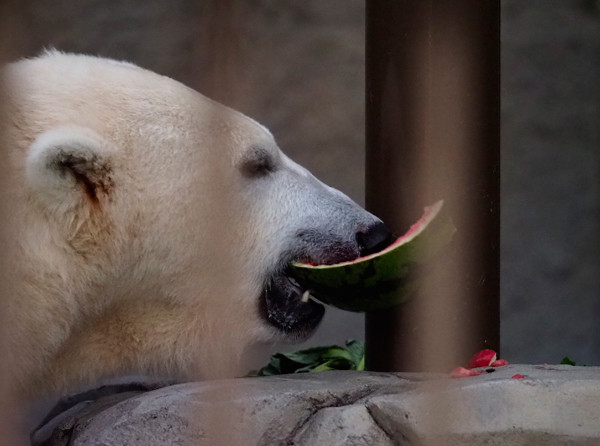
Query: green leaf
(357, 352)
(316, 359)
(309, 356)
(567, 361)
(333, 364)
(337, 353)
(361, 364)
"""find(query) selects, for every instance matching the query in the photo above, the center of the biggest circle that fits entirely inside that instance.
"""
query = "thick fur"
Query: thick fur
(147, 221)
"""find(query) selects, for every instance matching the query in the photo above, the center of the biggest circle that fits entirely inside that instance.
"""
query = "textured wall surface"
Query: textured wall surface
(298, 67)
(551, 181)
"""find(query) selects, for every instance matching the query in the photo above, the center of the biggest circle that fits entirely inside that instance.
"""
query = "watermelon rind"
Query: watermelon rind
(384, 279)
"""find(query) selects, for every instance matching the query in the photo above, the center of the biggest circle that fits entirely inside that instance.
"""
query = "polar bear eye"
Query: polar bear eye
(257, 162)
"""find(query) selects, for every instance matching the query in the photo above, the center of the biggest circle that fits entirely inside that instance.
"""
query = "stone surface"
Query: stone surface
(552, 405)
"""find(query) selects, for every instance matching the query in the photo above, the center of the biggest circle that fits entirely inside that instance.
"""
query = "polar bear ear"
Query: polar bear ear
(66, 164)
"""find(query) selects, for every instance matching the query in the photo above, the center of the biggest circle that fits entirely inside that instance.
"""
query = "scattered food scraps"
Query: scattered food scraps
(499, 363)
(461, 372)
(485, 358)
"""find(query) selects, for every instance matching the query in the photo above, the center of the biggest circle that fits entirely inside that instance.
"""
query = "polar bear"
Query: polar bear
(152, 228)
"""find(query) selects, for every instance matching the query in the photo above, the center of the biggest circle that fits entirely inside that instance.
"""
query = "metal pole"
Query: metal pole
(433, 132)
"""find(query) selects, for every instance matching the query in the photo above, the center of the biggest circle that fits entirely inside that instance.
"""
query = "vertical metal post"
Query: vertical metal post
(433, 89)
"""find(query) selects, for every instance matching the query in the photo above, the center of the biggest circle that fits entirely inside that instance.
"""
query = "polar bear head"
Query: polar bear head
(154, 228)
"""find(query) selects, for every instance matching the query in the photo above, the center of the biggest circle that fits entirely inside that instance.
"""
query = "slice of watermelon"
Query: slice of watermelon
(383, 279)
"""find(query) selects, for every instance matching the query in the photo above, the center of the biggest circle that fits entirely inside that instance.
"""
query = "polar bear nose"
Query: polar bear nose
(373, 239)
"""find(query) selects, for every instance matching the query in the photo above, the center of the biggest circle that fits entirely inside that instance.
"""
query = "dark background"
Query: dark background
(298, 67)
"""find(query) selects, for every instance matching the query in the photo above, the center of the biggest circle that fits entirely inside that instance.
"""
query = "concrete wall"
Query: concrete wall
(298, 67)
(551, 180)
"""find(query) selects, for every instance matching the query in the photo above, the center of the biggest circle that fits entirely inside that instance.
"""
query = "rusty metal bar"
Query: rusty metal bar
(433, 132)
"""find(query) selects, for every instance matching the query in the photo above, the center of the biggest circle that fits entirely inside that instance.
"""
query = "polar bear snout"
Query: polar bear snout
(338, 240)
(373, 239)
(331, 246)
(332, 229)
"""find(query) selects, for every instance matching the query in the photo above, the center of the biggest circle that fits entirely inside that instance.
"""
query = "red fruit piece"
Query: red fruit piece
(499, 363)
(518, 376)
(482, 359)
(461, 372)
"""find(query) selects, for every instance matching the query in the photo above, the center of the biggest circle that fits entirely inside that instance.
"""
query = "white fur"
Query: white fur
(153, 264)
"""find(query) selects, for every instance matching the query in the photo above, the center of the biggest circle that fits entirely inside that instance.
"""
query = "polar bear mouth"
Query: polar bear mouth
(287, 306)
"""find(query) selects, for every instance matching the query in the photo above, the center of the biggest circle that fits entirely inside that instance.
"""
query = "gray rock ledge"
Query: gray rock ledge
(552, 405)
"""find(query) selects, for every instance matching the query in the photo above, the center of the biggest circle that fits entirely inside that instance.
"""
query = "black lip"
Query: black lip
(282, 307)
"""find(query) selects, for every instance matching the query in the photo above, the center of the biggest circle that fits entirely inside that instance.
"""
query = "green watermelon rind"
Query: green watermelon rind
(384, 279)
